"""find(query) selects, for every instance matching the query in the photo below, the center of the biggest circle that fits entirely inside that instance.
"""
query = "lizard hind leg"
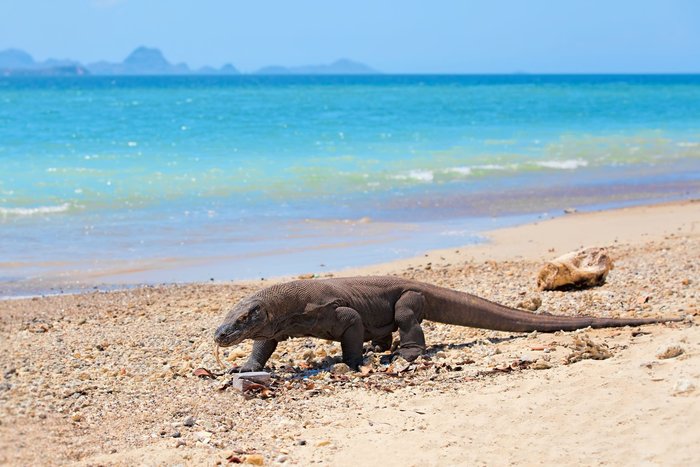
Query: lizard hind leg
(352, 336)
(408, 313)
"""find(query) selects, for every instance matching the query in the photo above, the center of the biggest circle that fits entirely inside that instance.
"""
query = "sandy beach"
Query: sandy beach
(107, 378)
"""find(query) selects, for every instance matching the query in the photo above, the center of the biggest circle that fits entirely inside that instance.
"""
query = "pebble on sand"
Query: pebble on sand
(669, 351)
(683, 386)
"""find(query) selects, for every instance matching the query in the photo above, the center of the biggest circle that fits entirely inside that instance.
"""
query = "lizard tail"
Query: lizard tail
(452, 307)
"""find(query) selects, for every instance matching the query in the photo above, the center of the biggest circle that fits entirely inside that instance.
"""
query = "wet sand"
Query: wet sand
(107, 378)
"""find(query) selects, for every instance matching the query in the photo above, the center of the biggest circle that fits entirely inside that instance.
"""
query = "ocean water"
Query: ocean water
(161, 179)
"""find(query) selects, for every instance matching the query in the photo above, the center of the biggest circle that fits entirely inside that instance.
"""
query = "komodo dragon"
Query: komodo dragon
(358, 309)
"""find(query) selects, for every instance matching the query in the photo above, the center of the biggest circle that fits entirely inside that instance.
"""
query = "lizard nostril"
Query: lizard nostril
(220, 333)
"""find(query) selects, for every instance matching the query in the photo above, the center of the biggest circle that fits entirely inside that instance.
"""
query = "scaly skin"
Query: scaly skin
(358, 309)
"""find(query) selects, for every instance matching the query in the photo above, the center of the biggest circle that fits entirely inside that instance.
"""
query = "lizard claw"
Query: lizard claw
(410, 354)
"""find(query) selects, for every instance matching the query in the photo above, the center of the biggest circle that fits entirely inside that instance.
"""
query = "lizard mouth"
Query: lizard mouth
(226, 337)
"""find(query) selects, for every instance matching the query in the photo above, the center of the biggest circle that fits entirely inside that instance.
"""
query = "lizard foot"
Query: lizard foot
(410, 354)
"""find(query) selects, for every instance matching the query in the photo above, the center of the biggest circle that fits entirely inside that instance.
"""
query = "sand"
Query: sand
(107, 378)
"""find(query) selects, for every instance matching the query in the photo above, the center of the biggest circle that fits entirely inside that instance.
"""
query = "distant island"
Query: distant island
(144, 61)
(339, 67)
(15, 62)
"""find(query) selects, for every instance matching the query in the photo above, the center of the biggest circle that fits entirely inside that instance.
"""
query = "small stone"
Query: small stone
(527, 358)
(541, 364)
(669, 351)
(189, 421)
(340, 369)
(180, 442)
(208, 426)
(176, 434)
(683, 386)
(530, 303)
(300, 442)
(255, 459)
(77, 417)
(281, 459)
(686, 281)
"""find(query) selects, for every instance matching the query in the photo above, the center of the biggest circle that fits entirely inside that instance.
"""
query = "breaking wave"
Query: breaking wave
(570, 164)
(39, 210)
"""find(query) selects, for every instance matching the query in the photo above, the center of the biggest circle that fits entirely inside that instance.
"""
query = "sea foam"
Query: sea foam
(418, 175)
(7, 212)
(569, 164)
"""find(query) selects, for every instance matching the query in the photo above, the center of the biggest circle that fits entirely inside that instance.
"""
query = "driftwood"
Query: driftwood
(588, 267)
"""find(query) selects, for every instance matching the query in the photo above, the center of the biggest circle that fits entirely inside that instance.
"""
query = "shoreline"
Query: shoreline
(555, 236)
(495, 244)
(110, 374)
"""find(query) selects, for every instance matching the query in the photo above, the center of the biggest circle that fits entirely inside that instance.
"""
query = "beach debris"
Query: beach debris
(260, 377)
(584, 348)
(530, 303)
(570, 210)
(671, 350)
(587, 267)
(203, 373)
(642, 299)
(251, 384)
(217, 349)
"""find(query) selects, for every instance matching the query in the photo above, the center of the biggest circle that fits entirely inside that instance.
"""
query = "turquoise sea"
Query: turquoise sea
(165, 179)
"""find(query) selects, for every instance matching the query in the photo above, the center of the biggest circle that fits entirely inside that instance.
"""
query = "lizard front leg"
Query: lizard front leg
(407, 313)
(262, 350)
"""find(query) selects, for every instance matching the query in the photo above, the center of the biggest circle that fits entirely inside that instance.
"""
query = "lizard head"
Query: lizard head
(247, 320)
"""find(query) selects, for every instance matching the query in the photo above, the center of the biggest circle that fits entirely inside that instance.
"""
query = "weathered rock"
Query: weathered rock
(588, 267)
(669, 351)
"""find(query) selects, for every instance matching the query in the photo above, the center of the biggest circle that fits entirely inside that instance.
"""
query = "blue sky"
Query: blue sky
(411, 36)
